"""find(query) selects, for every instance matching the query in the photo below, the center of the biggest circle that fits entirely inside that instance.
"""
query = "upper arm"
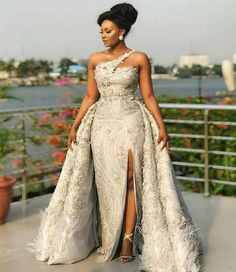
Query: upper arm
(92, 90)
(145, 80)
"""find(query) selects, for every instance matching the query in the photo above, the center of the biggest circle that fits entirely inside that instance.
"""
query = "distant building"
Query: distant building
(55, 73)
(234, 58)
(4, 75)
(77, 69)
(189, 60)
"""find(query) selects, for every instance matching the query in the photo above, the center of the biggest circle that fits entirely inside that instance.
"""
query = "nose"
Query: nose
(103, 36)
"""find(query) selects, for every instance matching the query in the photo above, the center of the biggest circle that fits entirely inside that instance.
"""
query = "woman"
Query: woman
(117, 186)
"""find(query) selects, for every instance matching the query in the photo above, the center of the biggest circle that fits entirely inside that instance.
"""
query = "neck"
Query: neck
(118, 48)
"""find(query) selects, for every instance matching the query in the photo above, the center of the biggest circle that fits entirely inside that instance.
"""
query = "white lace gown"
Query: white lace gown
(87, 207)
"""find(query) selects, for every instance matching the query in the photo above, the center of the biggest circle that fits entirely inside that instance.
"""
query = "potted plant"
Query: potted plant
(6, 183)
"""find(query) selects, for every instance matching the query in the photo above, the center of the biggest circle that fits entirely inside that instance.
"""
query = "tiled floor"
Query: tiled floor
(215, 217)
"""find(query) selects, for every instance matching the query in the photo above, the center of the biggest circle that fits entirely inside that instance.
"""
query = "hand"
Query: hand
(71, 138)
(163, 136)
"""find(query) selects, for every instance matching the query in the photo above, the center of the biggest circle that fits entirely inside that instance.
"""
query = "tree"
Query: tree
(44, 66)
(184, 72)
(158, 69)
(217, 70)
(28, 68)
(2, 65)
(197, 70)
(10, 66)
(65, 63)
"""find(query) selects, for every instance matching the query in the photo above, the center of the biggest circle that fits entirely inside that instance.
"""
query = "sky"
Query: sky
(164, 30)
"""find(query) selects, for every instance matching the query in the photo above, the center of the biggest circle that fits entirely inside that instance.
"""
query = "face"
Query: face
(110, 33)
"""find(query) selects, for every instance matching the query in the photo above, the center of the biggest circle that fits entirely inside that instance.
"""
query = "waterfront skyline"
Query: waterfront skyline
(165, 30)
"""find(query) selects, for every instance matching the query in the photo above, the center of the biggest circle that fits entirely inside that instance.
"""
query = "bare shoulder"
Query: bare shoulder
(141, 57)
(95, 58)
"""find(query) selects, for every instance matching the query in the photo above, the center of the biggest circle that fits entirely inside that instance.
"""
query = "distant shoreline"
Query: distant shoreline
(32, 82)
(35, 82)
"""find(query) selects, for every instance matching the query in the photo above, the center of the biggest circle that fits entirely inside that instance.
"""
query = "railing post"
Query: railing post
(206, 154)
(24, 174)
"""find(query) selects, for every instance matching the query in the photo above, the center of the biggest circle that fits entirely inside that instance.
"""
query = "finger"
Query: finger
(164, 144)
(159, 139)
(68, 140)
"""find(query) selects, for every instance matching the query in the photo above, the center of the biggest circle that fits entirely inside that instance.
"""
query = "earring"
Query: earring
(121, 37)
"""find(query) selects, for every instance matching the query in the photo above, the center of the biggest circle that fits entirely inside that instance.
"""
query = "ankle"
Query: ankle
(128, 236)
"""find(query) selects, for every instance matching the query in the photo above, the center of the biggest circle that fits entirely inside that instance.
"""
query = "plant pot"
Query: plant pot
(6, 183)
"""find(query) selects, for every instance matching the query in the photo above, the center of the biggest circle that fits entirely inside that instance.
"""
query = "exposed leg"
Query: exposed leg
(130, 215)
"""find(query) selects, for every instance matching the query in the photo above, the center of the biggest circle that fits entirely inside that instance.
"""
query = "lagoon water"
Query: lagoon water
(53, 95)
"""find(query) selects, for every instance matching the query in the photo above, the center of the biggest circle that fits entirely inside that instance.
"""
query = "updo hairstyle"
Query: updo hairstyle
(123, 15)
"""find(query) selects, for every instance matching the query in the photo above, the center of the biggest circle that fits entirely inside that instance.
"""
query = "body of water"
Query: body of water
(53, 95)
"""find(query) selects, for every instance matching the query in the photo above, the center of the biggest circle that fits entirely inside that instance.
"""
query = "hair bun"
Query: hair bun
(126, 10)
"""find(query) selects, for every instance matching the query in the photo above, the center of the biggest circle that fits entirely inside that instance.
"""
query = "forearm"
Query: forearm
(86, 103)
(152, 104)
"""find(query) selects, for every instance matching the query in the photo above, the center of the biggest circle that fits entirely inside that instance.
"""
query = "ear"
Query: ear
(122, 31)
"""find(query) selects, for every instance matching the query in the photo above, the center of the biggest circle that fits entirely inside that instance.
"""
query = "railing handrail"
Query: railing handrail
(198, 106)
(36, 108)
(164, 105)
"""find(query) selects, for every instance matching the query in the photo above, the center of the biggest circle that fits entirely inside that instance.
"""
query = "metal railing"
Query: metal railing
(206, 108)
(23, 173)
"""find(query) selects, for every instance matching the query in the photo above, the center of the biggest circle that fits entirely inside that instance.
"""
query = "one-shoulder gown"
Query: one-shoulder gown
(87, 207)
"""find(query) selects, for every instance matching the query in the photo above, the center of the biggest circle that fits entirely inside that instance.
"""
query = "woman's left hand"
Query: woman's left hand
(163, 136)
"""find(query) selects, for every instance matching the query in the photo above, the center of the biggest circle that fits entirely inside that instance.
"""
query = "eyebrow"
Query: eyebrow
(106, 28)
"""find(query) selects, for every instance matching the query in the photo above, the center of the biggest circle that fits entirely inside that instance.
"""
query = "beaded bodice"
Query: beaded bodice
(116, 86)
(114, 81)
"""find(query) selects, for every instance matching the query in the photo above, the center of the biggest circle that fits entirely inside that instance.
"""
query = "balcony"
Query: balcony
(214, 215)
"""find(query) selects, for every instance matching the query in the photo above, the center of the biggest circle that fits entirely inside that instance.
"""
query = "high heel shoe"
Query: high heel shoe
(126, 258)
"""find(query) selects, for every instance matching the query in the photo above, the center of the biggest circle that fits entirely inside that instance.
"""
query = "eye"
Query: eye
(106, 32)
